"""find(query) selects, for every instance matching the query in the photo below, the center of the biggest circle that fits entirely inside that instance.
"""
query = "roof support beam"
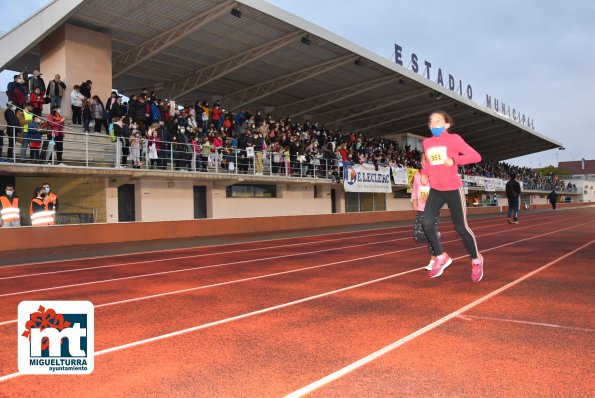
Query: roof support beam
(423, 125)
(385, 118)
(485, 137)
(504, 151)
(361, 109)
(26, 35)
(480, 121)
(491, 147)
(129, 60)
(296, 108)
(262, 90)
(388, 120)
(180, 87)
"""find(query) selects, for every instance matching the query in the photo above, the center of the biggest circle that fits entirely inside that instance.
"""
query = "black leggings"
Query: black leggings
(455, 200)
(418, 231)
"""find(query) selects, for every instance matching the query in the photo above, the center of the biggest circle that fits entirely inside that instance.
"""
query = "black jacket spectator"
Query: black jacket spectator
(85, 89)
(513, 189)
(116, 110)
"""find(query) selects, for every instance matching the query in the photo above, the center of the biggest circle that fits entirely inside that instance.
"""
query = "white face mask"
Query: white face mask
(47, 190)
(9, 193)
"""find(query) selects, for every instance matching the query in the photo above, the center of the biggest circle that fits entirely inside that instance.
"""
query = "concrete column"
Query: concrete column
(77, 55)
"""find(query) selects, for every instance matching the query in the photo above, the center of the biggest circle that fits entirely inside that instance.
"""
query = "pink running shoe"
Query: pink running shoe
(440, 265)
(477, 270)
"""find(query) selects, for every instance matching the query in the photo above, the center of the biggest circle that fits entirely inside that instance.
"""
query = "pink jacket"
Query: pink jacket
(420, 192)
(57, 125)
(437, 150)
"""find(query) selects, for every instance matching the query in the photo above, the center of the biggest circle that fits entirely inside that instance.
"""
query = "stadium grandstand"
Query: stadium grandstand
(225, 109)
(215, 198)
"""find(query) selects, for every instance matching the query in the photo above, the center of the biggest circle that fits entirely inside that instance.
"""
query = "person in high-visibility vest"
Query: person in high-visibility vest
(9, 208)
(27, 117)
(40, 215)
(50, 200)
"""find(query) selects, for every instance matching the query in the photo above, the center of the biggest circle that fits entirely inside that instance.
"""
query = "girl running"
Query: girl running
(419, 196)
(444, 152)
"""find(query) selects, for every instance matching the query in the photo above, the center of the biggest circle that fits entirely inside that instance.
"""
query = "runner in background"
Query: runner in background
(419, 196)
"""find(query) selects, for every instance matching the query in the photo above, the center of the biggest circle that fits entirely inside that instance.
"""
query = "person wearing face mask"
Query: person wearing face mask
(36, 81)
(40, 215)
(9, 208)
(51, 199)
(25, 118)
(55, 91)
(13, 124)
(259, 147)
(56, 134)
(16, 92)
(178, 147)
(445, 151)
(108, 106)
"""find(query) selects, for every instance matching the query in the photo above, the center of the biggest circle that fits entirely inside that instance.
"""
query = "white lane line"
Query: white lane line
(194, 247)
(548, 325)
(194, 256)
(233, 263)
(385, 350)
(198, 268)
(184, 257)
(226, 320)
(310, 298)
(243, 280)
(63, 261)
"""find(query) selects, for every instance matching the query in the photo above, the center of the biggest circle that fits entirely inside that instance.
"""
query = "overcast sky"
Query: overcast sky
(538, 56)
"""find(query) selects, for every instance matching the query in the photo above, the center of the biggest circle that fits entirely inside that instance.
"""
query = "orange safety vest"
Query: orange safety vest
(50, 198)
(44, 217)
(10, 211)
(53, 199)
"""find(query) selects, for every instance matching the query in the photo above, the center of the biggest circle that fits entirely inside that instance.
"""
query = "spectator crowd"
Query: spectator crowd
(153, 133)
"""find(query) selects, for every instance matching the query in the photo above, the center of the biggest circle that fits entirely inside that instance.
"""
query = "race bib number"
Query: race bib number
(422, 194)
(436, 155)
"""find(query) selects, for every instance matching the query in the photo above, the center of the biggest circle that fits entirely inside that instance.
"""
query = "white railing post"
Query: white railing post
(87, 150)
(53, 149)
(118, 153)
(237, 166)
(216, 159)
(14, 146)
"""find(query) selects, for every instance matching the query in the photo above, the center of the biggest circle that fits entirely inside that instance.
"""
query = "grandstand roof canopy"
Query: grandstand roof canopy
(270, 59)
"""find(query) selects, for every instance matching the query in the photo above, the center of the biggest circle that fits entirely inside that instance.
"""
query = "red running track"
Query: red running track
(343, 314)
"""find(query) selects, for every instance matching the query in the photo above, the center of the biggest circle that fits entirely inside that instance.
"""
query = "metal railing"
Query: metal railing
(84, 150)
(98, 150)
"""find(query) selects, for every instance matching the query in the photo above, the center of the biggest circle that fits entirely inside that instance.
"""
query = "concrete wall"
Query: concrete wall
(75, 195)
(77, 55)
(159, 200)
(294, 199)
(397, 204)
(35, 238)
(586, 188)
